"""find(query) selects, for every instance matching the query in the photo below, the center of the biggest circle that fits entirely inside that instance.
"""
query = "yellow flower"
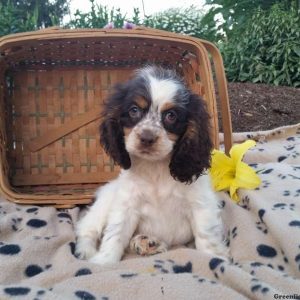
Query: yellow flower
(230, 173)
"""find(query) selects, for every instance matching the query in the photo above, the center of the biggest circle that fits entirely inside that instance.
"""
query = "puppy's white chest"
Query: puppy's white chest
(166, 216)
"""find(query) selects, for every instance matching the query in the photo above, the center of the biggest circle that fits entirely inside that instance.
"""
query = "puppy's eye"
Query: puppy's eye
(135, 112)
(170, 117)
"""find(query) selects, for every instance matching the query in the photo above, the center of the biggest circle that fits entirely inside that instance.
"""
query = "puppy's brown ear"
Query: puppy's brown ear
(192, 152)
(111, 130)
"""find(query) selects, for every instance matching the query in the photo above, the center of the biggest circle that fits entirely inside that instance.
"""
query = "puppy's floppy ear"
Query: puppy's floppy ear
(111, 130)
(192, 152)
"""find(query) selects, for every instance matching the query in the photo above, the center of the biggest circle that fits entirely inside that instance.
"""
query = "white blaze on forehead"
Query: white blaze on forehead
(162, 91)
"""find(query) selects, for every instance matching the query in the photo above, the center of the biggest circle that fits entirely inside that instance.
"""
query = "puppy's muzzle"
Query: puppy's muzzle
(147, 138)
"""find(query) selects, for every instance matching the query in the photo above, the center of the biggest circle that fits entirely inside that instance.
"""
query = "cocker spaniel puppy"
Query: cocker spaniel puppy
(157, 131)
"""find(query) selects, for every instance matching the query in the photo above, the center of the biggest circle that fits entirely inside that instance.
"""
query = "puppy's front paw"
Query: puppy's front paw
(144, 245)
(103, 258)
(84, 250)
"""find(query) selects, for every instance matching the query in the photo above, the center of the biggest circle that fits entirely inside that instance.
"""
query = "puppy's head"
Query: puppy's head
(155, 117)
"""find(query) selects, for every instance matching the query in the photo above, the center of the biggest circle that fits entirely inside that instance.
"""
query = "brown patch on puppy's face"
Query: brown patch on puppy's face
(167, 106)
(172, 136)
(141, 102)
(127, 131)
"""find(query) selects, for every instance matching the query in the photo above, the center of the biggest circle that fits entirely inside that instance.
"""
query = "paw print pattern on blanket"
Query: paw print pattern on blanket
(231, 234)
(16, 226)
(82, 272)
(253, 286)
(23, 291)
(283, 206)
(64, 218)
(2, 211)
(9, 249)
(222, 204)
(272, 257)
(204, 280)
(169, 266)
(256, 265)
(295, 223)
(245, 203)
(36, 223)
(258, 287)
(17, 291)
(33, 270)
(282, 176)
(285, 259)
(84, 295)
(265, 184)
(293, 154)
(37, 245)
(128, 275)
(216, 264)
(32, 210)
(297, 259)
(260, 225)
(266, 251)
(44, 237)
(72, 246)
(267, 171)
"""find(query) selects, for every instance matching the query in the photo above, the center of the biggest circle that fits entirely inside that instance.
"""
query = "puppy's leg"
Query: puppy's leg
(208, 232)
(209, 239)
(89, 228)
(145, 245)
(121, 225)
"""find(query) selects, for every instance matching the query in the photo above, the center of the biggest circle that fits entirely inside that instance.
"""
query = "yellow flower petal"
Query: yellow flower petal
(238, 151)
(245, 177)
(219, 157)
(222, 170)
(223, 182)
(221, 163)
(233, 192)
(230, 173)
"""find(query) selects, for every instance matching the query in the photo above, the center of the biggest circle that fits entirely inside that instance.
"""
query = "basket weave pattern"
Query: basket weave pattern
(52, 87)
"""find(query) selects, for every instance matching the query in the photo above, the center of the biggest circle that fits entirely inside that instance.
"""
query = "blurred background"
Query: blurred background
(259, 39)
(146, 7)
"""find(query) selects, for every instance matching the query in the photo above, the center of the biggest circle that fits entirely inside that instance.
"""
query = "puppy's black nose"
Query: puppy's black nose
(147, 137)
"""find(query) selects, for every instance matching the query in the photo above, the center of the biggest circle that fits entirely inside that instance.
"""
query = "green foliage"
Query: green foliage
(26, 15)
(181, 20)
(97, 17)
(13, 20)
(268, 50)
(187, 21)
(236, 13)
(50, 12)
(258, 44)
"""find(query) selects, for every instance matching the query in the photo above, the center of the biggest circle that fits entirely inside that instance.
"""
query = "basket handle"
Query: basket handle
(223, 93)
(55, 134)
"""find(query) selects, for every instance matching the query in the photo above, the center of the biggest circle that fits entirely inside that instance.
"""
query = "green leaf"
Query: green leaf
(297, 50)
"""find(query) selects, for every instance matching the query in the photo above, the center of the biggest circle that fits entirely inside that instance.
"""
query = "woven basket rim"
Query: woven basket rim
(139, 32)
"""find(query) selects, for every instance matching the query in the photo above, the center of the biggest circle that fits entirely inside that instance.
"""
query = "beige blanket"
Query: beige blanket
(263, 231)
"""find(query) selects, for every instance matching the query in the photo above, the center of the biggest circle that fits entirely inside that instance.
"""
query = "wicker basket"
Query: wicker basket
(52, 85)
